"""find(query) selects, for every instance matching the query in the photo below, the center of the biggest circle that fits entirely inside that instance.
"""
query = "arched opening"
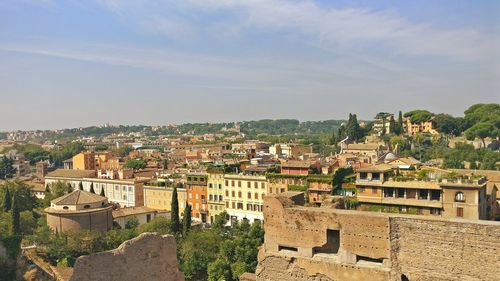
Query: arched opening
(459, 196)
(86, 206)
(404, 278)
(65, 207)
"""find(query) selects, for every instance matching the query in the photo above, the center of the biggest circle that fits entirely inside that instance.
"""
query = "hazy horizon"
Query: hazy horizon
(70, 64)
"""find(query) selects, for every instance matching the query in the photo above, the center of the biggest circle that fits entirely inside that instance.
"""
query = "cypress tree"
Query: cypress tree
(186, 222)
(47, 188)
(80, 186)
(174, 213)
(70, 188)
(7, 200)
(400, 123)
(393, 128)
(92, 187)
(16, 226)
(102, 192)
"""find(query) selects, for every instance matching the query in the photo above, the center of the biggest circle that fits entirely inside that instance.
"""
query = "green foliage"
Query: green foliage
(6, 169)
(25, 200)
(219, 270)
(123, 150)
(101, 147)
(174, 213)
(69, 150)
(197, 250)
(102, 193)
(33, 152)
(419, 116)
(132, 223)
(16, 220)
(447, 124)
(7, 200)
(186, 220)
(483, 113)
(136, 164)
(482, 130)
(161, 225)
(339, 177)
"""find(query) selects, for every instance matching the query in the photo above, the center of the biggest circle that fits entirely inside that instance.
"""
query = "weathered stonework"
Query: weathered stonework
(149, 257)
(329, 244)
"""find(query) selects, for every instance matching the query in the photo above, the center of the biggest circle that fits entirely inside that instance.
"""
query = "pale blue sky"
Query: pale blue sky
(77, 63)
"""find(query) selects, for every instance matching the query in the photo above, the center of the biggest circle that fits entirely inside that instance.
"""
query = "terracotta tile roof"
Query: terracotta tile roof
(63, 173)
(363, 146)
(376, 168)
(125, 212)
(78, 197)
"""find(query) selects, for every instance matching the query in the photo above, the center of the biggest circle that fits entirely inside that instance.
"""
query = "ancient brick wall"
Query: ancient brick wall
(149, 257)
(328, 244)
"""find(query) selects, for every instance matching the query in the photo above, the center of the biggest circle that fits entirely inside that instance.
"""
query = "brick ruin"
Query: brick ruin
(322, 244)
(149, 257)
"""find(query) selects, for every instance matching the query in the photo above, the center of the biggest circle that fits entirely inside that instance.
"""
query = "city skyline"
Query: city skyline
(82, 63)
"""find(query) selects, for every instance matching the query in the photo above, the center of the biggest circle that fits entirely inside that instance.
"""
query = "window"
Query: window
(239, 183)
(86, 206)
(460, 212)
(248, 184)
(124, 188)
(256, 196)
(262, 196)
(116, 187)
(210, 197)
(232, 183)
(249, 195)
(239, 194)
(256, 185)
(240, 206)
(227, 193)
(262, 185)
(459, 197)
(401, 193)
(233, 205)
(227, 183)
(220, 186)
(220, 197)
(233, 193)
(129, 188)
(65, 207)
(210, 185)
(125, 197)
(227, 204)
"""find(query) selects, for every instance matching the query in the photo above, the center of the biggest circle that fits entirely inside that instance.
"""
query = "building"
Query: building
(371, 150)
(90, 160)
(294, 167)
(426, 192)
(423, 127)
(142, 214)
(160, 198)
(80, 210)
(196, 187)
(290, 150)
(326, 244)
(42, 168)
(126, 192)
(244, 195)
(215, 194)
(382, 123)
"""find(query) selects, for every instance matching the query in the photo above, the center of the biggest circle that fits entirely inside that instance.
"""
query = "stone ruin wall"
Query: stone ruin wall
(149, 257)
(374, 246)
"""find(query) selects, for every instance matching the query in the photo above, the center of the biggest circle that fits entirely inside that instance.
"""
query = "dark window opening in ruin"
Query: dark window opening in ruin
(404, 278)
(332, 244)
(65, 207)
(368, 259)
(86, 206)
(287, 248)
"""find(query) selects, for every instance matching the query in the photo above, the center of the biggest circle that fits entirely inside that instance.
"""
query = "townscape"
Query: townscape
(74, 192)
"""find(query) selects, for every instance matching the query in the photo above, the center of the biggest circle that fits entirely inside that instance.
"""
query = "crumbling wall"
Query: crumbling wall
(436, 250)
(374, 246)
(149, 257)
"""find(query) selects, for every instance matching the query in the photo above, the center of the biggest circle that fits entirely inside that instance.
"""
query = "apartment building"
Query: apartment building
(126, 192)
(89, 160)
(244, 196)
(160, 198)
(196, 187)
(432, 192)
(215, 193)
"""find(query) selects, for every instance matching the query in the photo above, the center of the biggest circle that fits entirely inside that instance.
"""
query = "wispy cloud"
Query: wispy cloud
(329, 27)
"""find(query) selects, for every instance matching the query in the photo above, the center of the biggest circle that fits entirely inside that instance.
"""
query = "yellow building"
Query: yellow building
(243, 197)
(90, 160)
(160, 198)
(215, 194)
(423, 127)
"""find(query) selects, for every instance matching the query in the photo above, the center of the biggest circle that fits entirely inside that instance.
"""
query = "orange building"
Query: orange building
(196, 187)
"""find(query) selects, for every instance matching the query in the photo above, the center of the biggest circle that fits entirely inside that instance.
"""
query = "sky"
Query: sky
(71, 63)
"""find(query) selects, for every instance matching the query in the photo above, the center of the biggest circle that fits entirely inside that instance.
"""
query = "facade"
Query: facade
(371, 150)
(160, 198)
(378, 189)
(80, 210)
(244, 196)
(290, 150)
(127, 193)
(215, 193)
(142, 214)
(90, 160)
(196, 187)
(299, 168)
(424, 127)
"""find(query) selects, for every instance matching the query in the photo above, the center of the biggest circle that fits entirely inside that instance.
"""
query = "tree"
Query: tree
(6, 168)
(136, 164)
(16, 225)
(477, 113)
(80, 186)
(400, 128)
(132, 223)
(102, 192)
(392, 125)
(92, 188)
(419, 116)
(47, 188)
(165, 164)
(70, 188)
(220, 269)
(101, 147)
(186, 220)
(447, 124)
(174, 213)
(7, 203)
(482, 130)
(197, 250)
(352, 129)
